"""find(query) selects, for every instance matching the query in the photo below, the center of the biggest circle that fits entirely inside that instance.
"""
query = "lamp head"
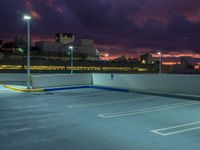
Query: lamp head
(27, 17)
(71, 47)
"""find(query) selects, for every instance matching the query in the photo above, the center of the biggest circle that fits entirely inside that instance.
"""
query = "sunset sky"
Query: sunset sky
(119, 27)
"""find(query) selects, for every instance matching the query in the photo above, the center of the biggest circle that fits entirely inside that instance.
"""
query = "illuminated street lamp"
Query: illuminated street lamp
(160, 61)
(72, 55)
(28, 18)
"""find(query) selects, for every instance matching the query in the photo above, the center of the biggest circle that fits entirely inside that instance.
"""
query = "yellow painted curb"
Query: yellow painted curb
(23, 90)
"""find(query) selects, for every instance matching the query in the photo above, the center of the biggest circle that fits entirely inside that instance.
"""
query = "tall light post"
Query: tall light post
(22, 55)
(28, 18)
(160, 61)
(72, 55)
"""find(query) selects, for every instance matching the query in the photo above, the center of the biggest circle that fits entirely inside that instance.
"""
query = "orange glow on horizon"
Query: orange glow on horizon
(177, 55)
(106, 56)
(170, 63)
(36, 38)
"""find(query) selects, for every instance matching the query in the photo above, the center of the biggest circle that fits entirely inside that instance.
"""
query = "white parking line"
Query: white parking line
(178, 129)
(147, 110)
(69, 106)
(22, 129)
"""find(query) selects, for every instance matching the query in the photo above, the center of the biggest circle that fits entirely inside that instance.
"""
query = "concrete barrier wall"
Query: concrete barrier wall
(43, 81)
(12, 77)
(185, 84)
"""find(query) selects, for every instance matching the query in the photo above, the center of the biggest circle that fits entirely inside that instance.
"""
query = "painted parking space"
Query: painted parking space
(91, 119)
(177, 129)
(148, 110)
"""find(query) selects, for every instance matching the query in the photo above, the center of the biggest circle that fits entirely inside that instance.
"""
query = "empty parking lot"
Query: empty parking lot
(92, 119)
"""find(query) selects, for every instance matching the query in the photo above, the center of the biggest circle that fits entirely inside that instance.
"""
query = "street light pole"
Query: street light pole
(72, 56)
(160, 62)
(28, 18)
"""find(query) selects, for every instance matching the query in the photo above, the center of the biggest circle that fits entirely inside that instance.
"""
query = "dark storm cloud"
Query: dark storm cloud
(127, 24)
(103, 22)
(53, 18)
(167, 24)
(10, 13)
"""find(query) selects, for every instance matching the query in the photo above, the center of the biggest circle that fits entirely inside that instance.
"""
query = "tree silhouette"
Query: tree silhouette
(121, 59)
(9, 46)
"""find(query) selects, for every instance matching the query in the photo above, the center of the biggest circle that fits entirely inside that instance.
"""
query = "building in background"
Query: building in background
(87, 47)
(146, 59)
(49, 46)
(83, 50)
(185, 66)
(65, 38)
(98, 54)
(186, 62)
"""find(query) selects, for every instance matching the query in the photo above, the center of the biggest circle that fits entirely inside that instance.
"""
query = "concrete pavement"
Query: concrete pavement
(92, 119)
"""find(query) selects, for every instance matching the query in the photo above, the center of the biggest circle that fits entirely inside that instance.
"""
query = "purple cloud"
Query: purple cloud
(122, 24)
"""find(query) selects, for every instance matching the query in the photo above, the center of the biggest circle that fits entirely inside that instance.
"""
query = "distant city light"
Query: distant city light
(107, 55)
(159, 53)
(20, 49)
(143, 61)
(71, 47)
(78, 68)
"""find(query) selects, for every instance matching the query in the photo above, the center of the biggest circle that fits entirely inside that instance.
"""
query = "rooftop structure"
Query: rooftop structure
(48, 46)
(65, 38)
(87, 46)
(146, 59)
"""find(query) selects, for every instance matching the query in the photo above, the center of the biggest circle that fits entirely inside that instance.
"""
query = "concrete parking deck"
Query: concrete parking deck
(93, 119)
